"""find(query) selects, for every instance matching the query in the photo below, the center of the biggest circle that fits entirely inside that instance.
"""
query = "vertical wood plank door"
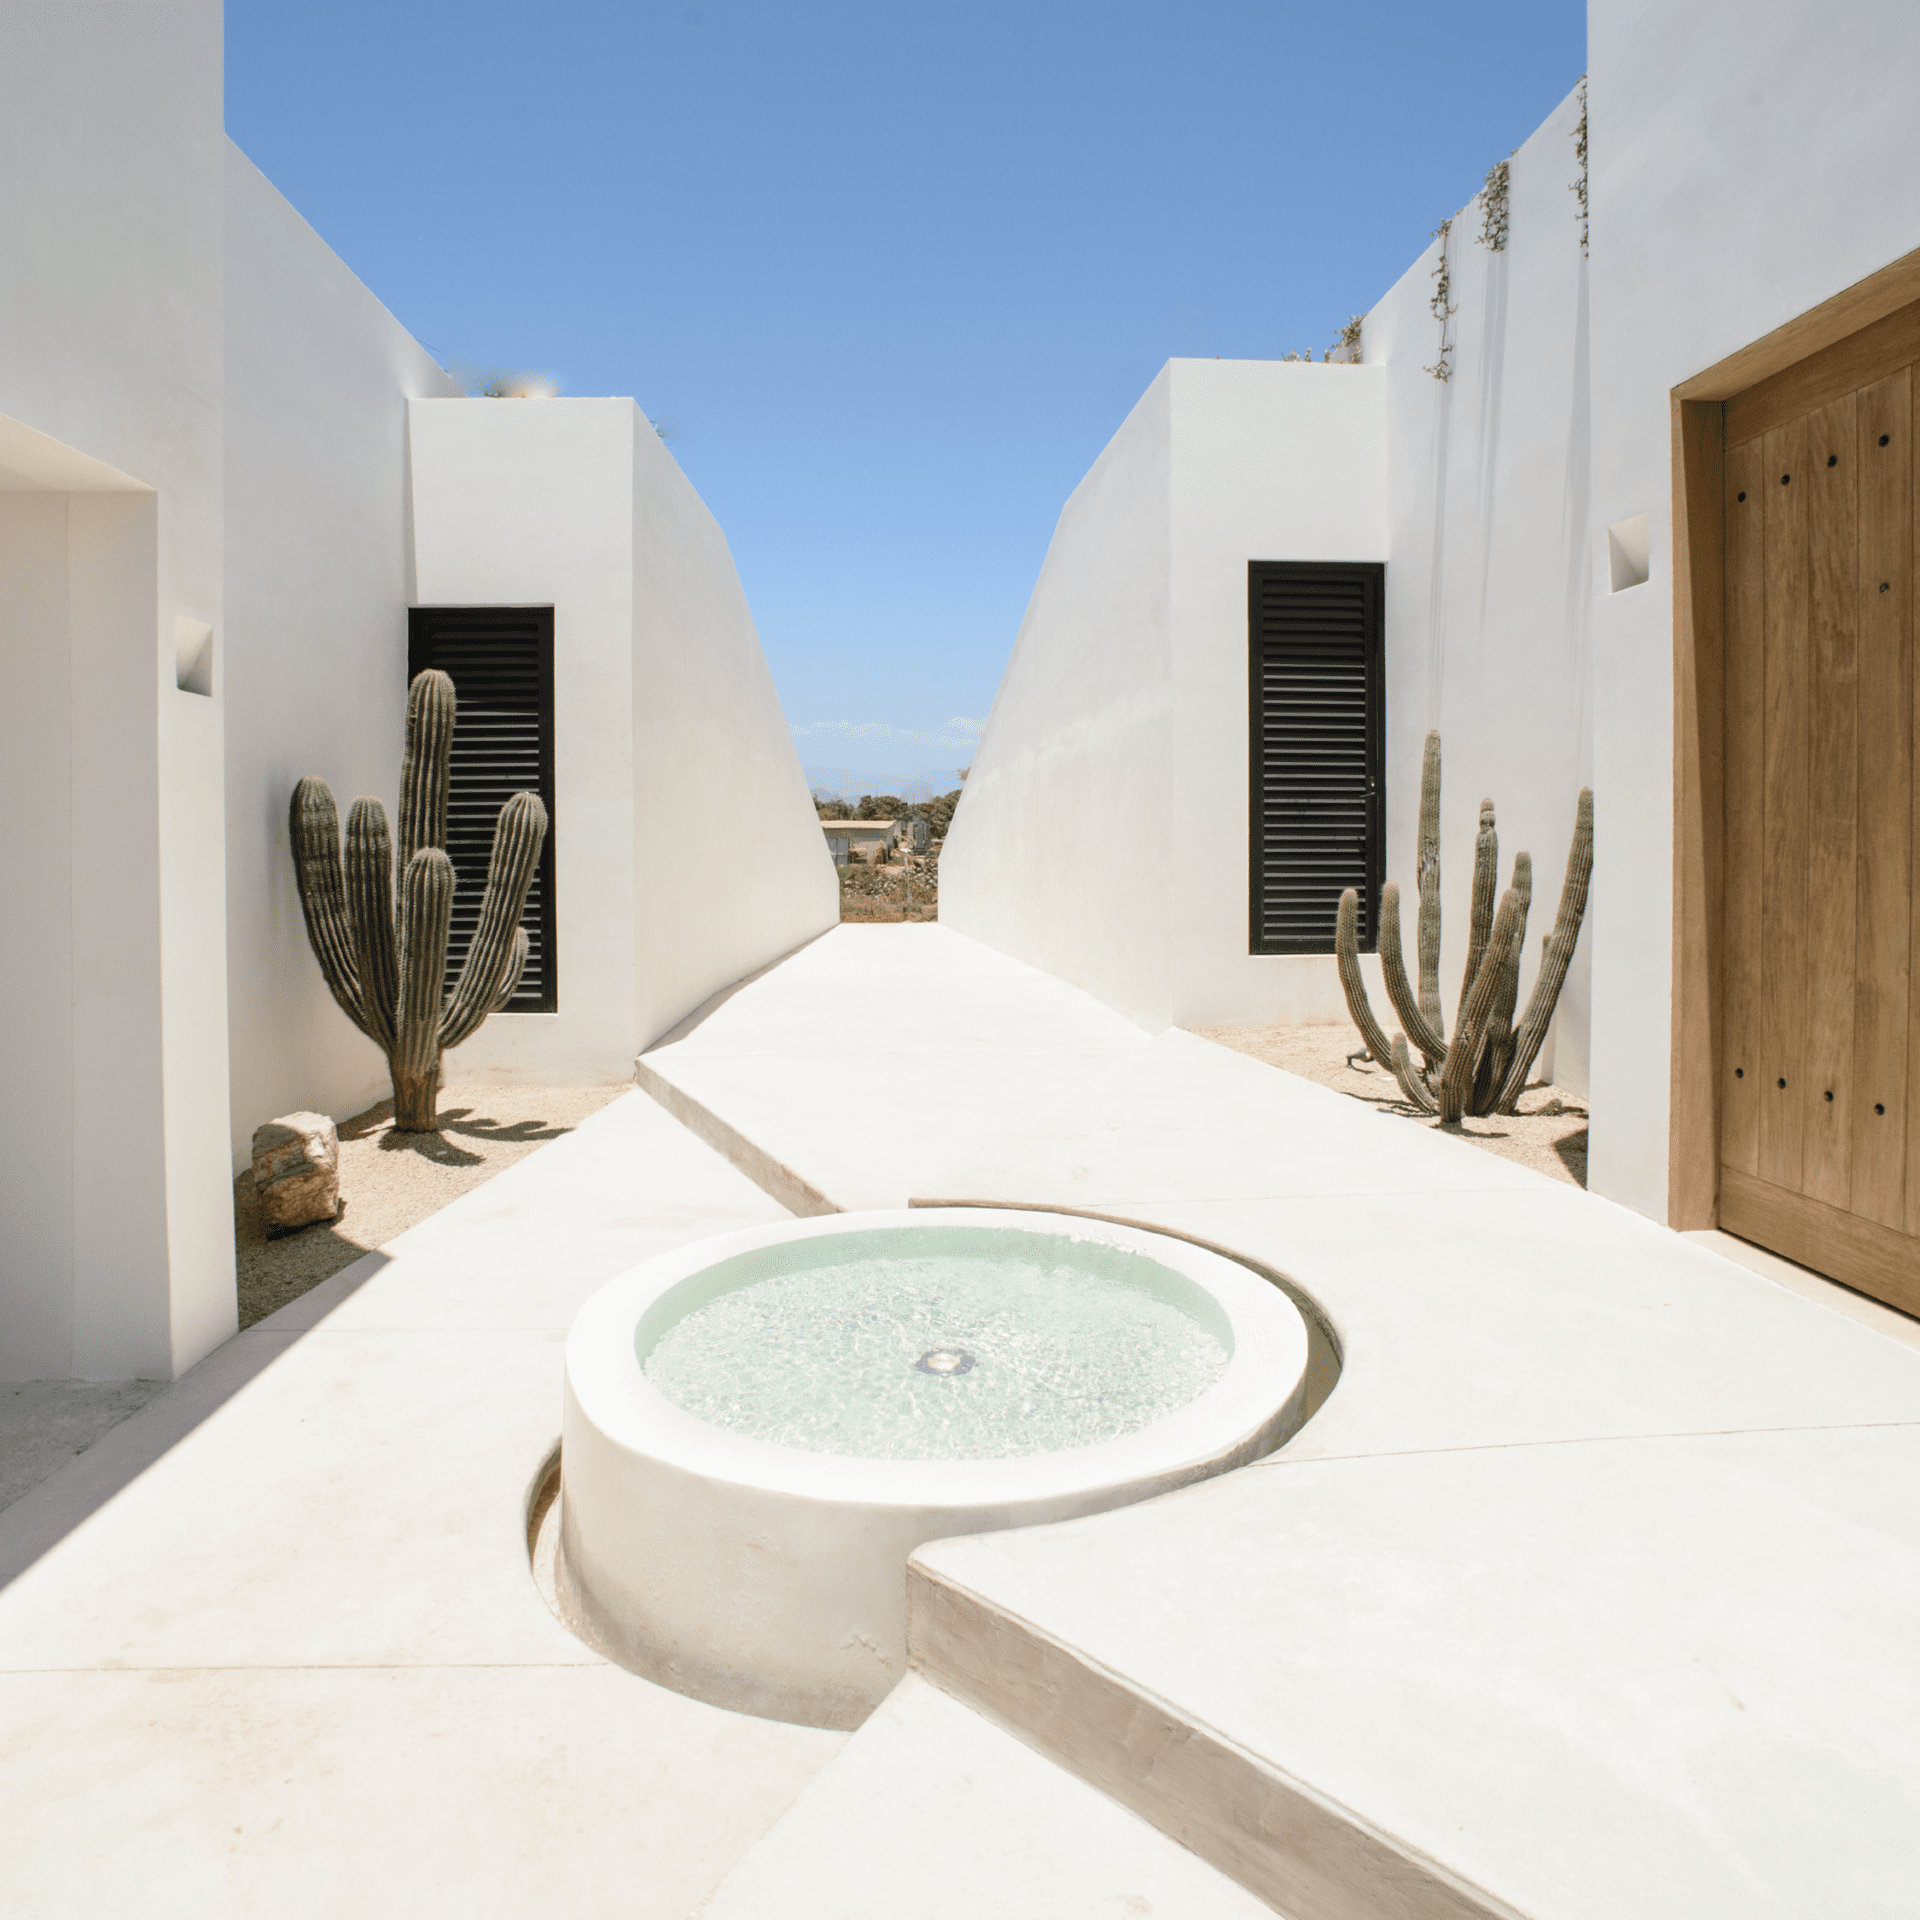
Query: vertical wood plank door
(1819, 996)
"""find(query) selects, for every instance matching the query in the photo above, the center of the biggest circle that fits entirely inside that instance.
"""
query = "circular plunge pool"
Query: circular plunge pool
(761, 1428)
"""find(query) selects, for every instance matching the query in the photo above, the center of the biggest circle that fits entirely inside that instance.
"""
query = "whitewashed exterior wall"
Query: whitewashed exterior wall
(1491, 574)
(1123, 712)
(663, 708)
(1271, 461)
(1751, 159)
(318, 580)
(1081, 737)
(117, 1255)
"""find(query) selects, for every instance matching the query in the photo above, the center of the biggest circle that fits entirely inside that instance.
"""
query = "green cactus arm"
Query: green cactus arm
(516, 966)
(1393, 971)
(1463, 1056)
(1486, 884)
(370, 912)
(1346, 946)
(1559, 957)
(426, 911)
(431, 708)
(313, 831)
(1498, 1052)
(518, 836)
(1411, 1085)
(1427, 880)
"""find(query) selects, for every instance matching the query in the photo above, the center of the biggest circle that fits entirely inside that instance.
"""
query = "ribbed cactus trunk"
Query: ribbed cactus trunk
(385, 961)
(1484, 1068)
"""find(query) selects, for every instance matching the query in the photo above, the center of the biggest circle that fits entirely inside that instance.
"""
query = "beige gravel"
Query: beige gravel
(1551, 1143)
(391, 1181)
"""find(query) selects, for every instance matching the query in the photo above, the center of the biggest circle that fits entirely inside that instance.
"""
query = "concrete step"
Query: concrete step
(931, 1812)
(1262, 1831)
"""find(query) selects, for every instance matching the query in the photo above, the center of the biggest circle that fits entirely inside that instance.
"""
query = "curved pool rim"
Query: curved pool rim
(770, 1578)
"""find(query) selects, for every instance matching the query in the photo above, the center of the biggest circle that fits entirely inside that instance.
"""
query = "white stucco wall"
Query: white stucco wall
(1760, 164)
(710, 740)
(1060, 850)
(118, 1255)
(1121, 722)
(1492, 554)
(663, 708)
(318, 580)
(1271, 461)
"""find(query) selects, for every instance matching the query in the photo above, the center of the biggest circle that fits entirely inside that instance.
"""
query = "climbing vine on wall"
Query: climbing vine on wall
(1579, 188)
(1347, 342)
(1493, 206)
(1442, 303)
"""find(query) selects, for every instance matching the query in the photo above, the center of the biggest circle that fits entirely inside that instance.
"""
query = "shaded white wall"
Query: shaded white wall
(709, 737)
(116, 1257)
(663, 709)
(1121, 723)
(1760, 164)
(1492, 546)
(1271, 461)
(1060, 849)
(318, 580)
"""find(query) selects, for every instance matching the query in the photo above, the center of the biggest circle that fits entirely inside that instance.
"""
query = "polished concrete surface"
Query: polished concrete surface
(272, 1646)
(1589, 1591)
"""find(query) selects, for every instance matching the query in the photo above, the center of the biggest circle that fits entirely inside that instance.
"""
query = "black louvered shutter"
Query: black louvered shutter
(500, 660)
(1316, 709)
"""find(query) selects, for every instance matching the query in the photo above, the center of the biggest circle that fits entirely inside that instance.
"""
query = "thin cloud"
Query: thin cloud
(953, 733)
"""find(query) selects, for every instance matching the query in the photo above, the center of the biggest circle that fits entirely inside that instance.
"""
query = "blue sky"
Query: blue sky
(890, 276)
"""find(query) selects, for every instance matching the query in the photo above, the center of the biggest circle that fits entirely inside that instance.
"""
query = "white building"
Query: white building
(1544, 461)
(226, 476)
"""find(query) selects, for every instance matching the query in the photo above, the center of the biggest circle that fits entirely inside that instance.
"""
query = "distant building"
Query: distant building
(846, 838)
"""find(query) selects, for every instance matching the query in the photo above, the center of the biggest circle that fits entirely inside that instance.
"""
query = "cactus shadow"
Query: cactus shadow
(478, 1126)
(434, 1146)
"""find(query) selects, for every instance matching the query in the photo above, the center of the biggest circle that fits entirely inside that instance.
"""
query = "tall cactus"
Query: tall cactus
(386, 963)
(1484, 1068)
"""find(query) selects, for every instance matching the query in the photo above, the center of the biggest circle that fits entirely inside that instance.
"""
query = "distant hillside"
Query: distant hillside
(849, 783)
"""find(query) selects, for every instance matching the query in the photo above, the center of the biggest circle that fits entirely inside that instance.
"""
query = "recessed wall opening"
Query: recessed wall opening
(1627, 542)
(1316, 725)
(193, 656)
(500, 660)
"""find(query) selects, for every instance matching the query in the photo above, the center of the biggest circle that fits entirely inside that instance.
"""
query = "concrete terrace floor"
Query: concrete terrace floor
(1591, 1589)
(272, 1646)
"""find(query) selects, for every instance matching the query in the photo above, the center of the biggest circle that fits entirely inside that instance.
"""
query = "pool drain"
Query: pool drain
(945, 1360)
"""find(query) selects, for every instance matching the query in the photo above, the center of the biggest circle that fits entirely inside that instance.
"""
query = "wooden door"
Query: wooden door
(1820, 1011)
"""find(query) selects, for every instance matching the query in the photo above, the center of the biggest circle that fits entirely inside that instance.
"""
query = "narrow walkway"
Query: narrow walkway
(272, 1646)
(854, 1068)
(1590, 1591)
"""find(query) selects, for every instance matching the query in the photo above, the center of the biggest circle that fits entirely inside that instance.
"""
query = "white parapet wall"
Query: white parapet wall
(1103, 834)
(318, 577)
(1492, 542)
(664, 711)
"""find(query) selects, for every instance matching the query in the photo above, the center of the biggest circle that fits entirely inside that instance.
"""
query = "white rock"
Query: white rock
(296, 1167)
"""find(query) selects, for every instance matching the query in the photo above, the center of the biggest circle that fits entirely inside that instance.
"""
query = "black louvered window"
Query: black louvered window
(1316, 709)
(500, 660)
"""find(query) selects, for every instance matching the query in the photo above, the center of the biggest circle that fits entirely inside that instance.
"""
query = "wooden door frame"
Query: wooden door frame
(1699, 717)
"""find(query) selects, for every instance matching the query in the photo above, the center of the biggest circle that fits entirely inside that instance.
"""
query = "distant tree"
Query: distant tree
(939, 812)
